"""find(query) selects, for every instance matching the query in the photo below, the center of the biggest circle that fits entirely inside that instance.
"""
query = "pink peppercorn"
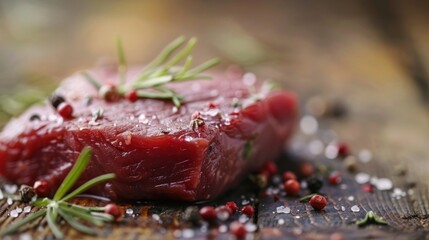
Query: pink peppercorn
(318, 202)
(292, 187)
(208, 213)
(248, 210)
(233, 206)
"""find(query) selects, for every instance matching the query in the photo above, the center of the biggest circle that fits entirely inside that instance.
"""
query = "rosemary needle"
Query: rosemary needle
(79, 217)
(151, 82)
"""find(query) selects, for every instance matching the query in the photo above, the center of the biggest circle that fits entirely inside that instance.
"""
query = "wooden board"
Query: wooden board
(344, 51)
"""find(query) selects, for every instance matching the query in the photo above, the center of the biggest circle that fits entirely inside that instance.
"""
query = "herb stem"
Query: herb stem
(51, 219)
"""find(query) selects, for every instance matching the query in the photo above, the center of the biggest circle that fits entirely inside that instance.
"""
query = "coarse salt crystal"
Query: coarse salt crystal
(283, 209)
(355, 208)
(343, 208)
(188, 233)
(18, 210)
(129, 211)
(9, 201)
(281, 221)
(309, 125)
(383, 184)
(351, 198)
(223, 228)
(13, 213)
(365, 155)
(331, 151)
(362, 178)
(27, 209)
(10, 188)
(250, 227)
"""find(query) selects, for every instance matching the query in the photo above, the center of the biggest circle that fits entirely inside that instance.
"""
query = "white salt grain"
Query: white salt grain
(315, 147)
(188, 233)
(362, 178)
(351, 198)
(129, 211)
(355, 208)
(365, 155)
(283, 209)
(343, 208)
(383, 184)
(18, 210)
(281, 221)
(250, 227)
(309, 125)
(9, 201)
(13, 213)
(10, 188)
(27, 209)
(25, 236)
(331, 151)
(223, 228)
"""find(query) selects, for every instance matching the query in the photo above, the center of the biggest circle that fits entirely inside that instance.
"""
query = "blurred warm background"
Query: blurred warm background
(371, 56)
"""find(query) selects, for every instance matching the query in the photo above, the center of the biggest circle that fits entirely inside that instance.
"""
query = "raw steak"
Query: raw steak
(150, 144)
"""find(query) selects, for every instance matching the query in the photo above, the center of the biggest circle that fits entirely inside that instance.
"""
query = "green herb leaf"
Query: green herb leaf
(122, 64)
(76, 224)
(91, 80)
(51, 218)
(371, 218)
(88, 185)
(74, 174)
(307, 198)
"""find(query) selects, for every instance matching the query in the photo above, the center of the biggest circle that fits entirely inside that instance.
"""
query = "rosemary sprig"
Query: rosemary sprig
(162, 70)
(79, 217)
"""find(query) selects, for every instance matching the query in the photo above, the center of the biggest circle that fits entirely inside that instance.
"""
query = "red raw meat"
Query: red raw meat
(149, 144)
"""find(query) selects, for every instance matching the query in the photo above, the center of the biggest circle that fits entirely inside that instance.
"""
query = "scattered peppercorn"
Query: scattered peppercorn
(27, 193)
(233, 206)
(34, 117)
(261, 181)
(288, 175)
(108, 93)
(223, 213)
(276, 197)
(208, 213)
(334, 178)
(212, 105)
(113, 210)
(318, 202)
(306, 169)
(192, 215)
(343, 150)
(65, 110)
(56, 100)
(132, 96)
(369, 188)
(350, 163)
(42, 188)
(271, 167)
(248, 210)
(314, 184)
(238, 230)
(292, 187)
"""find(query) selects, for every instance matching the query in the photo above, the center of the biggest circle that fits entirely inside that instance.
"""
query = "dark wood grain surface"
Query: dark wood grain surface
(371, 56)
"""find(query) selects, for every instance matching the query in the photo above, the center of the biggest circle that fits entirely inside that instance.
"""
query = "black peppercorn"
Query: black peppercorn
(56, 100)
(314, 184)
(34, 117)
(192, 216)
(27, 193)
